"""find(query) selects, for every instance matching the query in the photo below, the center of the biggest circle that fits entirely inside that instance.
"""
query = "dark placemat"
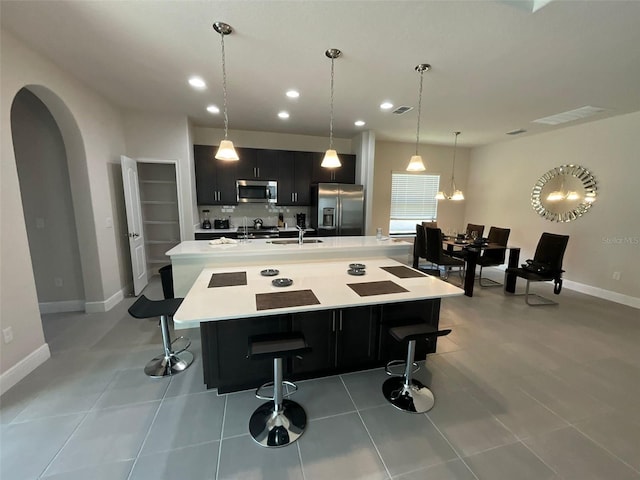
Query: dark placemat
(294, 298)
(230, 279)
(376, 288)
(403, 272)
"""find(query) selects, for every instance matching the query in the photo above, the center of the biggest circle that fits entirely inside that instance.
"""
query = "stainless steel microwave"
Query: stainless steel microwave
(257, 191)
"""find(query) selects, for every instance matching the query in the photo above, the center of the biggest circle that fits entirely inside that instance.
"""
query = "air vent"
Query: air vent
(570, 116)
(401, 110)
(516, 132)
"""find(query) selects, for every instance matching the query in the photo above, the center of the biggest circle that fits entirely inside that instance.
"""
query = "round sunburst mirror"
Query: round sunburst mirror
(564, 193)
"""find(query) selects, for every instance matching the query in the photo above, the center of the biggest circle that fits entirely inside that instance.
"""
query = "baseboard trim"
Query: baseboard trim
(24, 367)
(61, 307)
(602, 293)
(105, 306)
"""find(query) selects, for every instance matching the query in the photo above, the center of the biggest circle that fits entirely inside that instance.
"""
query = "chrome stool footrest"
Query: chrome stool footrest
(184, 339)
(395, 363)
(292, 385)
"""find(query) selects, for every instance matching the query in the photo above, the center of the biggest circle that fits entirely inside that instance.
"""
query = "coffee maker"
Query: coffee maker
(301, 220)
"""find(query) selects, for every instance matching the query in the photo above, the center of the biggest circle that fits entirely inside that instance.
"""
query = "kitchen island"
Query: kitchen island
(345, 318)
(190, 257)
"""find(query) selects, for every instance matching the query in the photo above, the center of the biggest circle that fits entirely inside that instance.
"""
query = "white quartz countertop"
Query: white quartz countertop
(327, 280)
(202, 248)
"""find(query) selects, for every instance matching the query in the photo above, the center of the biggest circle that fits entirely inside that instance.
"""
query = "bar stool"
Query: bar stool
(170, 362)
(403, 391)
(278, 422)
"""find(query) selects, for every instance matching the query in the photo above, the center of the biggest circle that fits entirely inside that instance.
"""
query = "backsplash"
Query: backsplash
(268, 214)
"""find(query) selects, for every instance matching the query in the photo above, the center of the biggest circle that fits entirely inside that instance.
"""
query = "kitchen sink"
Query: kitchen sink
(293, 241)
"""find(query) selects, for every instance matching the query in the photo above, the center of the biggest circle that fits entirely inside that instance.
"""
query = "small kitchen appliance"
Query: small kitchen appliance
(301, 220)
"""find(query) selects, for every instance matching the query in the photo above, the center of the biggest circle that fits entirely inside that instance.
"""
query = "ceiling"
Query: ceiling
(496, 66)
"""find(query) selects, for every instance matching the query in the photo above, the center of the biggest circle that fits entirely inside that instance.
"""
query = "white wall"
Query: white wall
(394, 157)
(94, 139)
(607, 238)
(276, 141)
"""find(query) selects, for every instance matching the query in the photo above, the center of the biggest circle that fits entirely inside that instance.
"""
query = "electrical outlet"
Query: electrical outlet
(7, 334)
(616, 275)
(57, 281)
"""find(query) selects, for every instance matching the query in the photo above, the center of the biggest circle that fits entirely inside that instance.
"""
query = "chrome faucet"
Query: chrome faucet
(300, 234)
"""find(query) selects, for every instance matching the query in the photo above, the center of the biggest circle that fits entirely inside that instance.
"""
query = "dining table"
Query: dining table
(473, 250)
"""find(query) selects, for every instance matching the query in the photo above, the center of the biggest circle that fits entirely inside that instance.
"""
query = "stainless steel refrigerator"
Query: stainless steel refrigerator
(337, 209)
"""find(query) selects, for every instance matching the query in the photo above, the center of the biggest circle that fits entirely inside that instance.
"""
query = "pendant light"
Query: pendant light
(331, 159)
(456, 195)
(226, 150)
(416, 164)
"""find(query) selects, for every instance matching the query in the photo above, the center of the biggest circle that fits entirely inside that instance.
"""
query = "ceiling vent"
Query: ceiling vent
(401, 110)
(516, 132)
(570, 116)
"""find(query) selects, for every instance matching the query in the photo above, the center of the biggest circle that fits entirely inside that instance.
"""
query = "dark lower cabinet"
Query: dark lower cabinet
(342, 340)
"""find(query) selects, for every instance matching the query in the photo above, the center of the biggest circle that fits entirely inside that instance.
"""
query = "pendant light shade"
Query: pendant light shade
(225, 151)
(416, 164)
(331, 159)
(456, 195)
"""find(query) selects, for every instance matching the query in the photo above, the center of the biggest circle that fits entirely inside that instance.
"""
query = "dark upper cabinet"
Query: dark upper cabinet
(257, 164)
(215, 179)
(294, 177)
(344, 174)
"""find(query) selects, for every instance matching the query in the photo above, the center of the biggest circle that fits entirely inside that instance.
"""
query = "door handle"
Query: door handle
(133, 235)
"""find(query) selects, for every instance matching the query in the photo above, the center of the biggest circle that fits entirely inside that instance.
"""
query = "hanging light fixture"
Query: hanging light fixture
(226, 150)
(456, 195)
(416, 164)
(331, 159)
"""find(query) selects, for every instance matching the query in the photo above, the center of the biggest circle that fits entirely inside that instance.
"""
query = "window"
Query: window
(412, 201)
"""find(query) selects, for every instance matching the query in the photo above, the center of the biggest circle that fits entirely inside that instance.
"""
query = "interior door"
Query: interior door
(134, 223)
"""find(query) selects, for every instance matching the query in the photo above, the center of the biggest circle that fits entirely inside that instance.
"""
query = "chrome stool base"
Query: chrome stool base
(164, 366)
(271, 428)
(413, 398)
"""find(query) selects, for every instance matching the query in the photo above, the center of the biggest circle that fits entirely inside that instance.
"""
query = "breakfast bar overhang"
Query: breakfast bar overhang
(344, 317)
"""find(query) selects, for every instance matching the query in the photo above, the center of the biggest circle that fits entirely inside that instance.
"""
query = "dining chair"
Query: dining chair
(546, 266)
(420, 248)
(471, 227)
(436, 254)
(494, 256)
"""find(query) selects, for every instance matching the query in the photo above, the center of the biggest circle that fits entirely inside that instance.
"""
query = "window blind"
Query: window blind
(412, 200)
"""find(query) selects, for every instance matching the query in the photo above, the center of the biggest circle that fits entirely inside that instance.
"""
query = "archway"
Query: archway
(52, 169)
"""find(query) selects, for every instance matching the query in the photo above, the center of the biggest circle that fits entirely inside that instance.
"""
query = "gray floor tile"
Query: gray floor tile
(110, 471)
(519, 412)
(617, 433)
(406, 441)
(339, 447)
(184, 421)
(27, 448)
(323, 397)
(509, 462)
(365, 387)
(132, 386)
(59, 402)
(198, 462)
(242, 458)
(240, 406)
(469, 426)
(575, 457)
(106, 436)
(453, 470)
(568, 401)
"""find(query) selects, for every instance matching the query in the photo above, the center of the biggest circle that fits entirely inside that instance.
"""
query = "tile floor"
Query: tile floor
(521, 393)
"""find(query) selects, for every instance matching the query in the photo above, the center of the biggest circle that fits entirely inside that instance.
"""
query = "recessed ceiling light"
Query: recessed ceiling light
(283, 115)
(197, 82)
(359, 123)
(386, 106)
(293, 93)
(213, 109)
